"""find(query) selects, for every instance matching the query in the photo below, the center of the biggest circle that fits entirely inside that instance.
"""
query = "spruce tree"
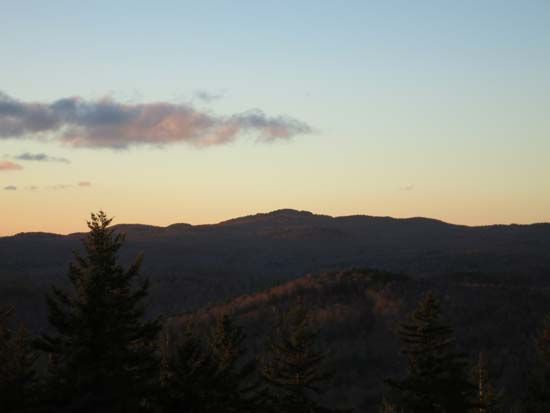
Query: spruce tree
(437, 376)
(190, 379)
(292, 366)
(488, 399)
(103, 352)
(18, 383)
(543, 342)
(538, 397)
(242, 391)
(387, 407)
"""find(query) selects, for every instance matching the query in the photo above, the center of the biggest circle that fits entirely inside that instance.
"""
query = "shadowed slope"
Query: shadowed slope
(192, 265)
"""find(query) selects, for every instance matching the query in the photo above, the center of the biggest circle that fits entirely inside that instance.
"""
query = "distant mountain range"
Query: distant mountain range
(192, 265)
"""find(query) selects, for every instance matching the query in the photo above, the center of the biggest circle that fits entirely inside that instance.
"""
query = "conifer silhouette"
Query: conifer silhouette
(292, 365)
(190, 379)
(243, 392)
(538, 397)
(437, 376)
(103, 352)
(488, 398)
(18, 383)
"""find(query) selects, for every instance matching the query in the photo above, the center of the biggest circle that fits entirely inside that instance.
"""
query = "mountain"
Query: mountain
(192, 265)
(359, 310)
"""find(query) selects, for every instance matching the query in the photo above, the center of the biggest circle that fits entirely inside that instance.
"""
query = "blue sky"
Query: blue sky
(427, 108)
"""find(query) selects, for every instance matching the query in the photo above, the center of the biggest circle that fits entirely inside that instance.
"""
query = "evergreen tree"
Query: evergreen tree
(226, 342)
(387, 407)
(437, 379)
(190, 378)
(18, 384)
(543, 342)
(243, 392)
(488, 399)
(292, 366)
(538, 397)
(103, 355)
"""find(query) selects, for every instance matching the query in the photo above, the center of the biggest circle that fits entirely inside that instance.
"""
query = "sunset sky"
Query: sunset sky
(164, 112)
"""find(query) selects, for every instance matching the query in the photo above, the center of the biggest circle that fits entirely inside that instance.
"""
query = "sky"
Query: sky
(163, 112)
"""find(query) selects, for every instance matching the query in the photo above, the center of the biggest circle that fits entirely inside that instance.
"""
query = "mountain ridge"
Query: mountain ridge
(192, 265)
(284, 213)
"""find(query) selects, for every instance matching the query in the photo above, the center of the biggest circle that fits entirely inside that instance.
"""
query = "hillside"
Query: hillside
(358, 312)
(192, 265)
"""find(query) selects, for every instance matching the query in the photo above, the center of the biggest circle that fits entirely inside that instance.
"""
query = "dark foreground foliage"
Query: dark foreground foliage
(103, 354)
(437, 376)
(18, 382)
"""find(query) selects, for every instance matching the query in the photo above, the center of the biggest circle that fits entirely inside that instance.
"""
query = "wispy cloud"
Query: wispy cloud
(41, 157)
(407, 188)
(106, 123)
(58, 187)
(9, 166)
(206, 96)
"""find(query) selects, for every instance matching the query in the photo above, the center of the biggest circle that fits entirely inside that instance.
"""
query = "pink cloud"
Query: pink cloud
(9, 166)
(84, 184)
(110, 124)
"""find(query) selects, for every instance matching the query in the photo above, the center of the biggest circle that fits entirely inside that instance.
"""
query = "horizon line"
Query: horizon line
(289, 210)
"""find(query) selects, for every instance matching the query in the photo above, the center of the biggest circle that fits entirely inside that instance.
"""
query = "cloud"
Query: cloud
(42, 157)
(9, 166)
(59, 187)
(105, 123)
(407, 188)
(207, 97)
(82, 184)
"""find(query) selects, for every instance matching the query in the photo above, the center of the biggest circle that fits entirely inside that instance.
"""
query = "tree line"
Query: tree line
(103, 355)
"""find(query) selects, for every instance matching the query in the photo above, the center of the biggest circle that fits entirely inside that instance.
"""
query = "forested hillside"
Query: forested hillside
(358, 312)
(191, 266)
(358, 338)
